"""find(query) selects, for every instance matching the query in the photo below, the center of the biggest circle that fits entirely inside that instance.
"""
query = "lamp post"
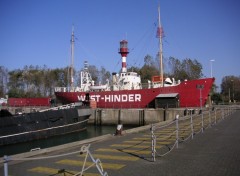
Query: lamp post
(212, 60)
(232, 89)
(200, 87)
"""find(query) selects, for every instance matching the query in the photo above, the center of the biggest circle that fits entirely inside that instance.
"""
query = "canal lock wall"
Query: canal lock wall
(135, 117)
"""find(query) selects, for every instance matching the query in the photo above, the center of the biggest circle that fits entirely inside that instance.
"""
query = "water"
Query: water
(92, 131)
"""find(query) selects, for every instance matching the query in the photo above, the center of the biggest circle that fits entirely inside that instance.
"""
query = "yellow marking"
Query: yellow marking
(127, 151)
(172, 137)
(114, 157)
(45, 170)
(158, 138)
(149, 142)
(48, 170)
(185, 129)
(138, 142)
(165, 130)
(164, 142)
(133, 146)
(184, 132)
(184, 135)
(167, 139)
(78, 163)
(142, 139)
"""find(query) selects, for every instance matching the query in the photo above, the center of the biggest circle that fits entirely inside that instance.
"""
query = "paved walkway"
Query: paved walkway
(216, 151)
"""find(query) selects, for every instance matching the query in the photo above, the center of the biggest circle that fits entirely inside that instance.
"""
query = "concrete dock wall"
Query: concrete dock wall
(135, 117)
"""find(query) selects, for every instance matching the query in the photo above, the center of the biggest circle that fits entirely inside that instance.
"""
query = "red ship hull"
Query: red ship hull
(189, 95)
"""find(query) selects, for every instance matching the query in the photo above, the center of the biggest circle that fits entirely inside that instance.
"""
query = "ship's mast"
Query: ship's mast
(72, 58)
(160, 33)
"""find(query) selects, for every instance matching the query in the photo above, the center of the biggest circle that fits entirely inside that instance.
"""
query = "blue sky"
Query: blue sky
(37, 32)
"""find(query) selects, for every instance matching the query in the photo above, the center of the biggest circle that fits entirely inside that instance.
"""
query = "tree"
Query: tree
(192, 68)
(134, 69)
(104, 75)
(16, 84)
(3, 80)
(185, 69)
(94, 72)
(148, 60)
(175, 68)
(149, 69)
(231, 88)
(35, 81)
(216, 98)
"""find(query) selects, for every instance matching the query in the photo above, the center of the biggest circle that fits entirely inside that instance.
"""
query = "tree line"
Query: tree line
(40, 81)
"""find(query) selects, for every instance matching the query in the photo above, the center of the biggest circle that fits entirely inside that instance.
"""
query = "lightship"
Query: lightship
(126, 90)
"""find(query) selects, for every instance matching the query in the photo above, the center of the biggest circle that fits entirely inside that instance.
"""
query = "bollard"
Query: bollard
(177, 116)
(119, 129)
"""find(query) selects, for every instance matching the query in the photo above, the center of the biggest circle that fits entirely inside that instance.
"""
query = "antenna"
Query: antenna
(160, 34)
(72, 57)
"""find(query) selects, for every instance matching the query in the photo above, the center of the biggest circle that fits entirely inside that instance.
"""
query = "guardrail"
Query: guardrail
(184, 128)
(84, 150)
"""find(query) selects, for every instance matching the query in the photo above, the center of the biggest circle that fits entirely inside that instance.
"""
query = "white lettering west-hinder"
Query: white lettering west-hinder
(114, 98)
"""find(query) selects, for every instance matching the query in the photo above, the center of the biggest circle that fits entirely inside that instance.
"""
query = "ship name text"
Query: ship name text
(113, 98)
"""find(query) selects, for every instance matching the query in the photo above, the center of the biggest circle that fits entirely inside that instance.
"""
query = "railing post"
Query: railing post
(97, 162)
(6, 159)
(153, 143)
(177, 116)
(210, 118)
(202, 121)
(191, 124)
(222, 110)
(215, 115)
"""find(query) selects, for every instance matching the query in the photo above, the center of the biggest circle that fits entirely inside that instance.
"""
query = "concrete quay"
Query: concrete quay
(216, 151)
(136, 116)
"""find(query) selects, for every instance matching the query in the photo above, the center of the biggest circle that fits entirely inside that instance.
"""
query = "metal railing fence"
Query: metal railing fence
(184, 128)
(84, 150)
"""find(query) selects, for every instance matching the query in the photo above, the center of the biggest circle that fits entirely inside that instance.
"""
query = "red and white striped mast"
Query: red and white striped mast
(124, 52)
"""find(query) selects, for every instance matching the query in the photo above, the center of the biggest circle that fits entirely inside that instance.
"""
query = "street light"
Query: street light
(212, 60)
(232, 89)
(200, 87)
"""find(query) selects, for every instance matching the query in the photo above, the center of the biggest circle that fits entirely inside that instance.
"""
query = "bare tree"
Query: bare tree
(3, 81)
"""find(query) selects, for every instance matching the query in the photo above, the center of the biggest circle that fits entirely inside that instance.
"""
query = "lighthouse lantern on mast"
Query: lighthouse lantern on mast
(124, 52)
